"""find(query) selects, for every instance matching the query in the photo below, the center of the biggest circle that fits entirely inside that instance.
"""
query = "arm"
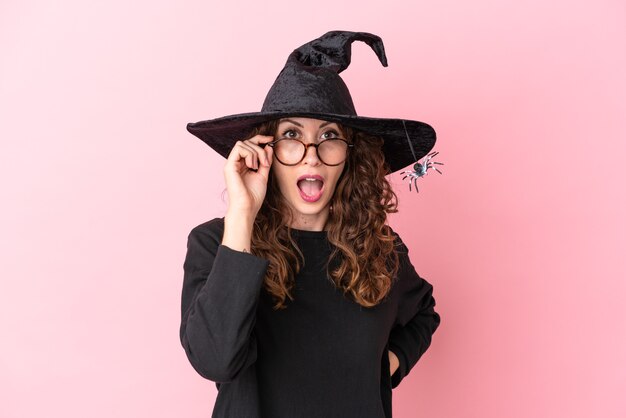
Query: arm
(219, 299)
(222, 279)
(416, 321)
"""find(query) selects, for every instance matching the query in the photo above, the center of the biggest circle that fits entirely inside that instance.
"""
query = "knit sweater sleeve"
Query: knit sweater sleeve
(416, 320)
(220, 294)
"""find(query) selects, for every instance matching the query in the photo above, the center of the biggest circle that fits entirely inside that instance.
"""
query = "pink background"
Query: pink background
(522, 236)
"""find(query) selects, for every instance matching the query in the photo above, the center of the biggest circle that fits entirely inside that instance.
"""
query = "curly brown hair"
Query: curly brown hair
(364, 245)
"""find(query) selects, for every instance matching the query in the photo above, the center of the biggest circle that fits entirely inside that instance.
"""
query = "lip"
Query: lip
(311, 176)
(306, 197)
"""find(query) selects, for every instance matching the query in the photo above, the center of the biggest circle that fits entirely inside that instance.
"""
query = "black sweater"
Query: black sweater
(322, 356)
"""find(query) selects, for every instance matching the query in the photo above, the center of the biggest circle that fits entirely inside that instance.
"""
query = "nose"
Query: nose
(310, 155)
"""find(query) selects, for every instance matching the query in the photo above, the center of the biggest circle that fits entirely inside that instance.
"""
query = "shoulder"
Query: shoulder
(399, 246)
(208, 233)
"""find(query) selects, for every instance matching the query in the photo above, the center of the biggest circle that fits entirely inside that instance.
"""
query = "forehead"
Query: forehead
(306, 122)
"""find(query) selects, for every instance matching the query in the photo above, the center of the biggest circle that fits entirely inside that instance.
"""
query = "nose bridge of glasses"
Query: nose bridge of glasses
(311, 145)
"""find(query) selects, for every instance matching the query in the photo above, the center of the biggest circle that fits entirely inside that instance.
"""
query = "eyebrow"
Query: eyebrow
(300, 125)
(291, 121)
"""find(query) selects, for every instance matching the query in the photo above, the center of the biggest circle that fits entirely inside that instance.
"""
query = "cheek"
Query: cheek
(282, 180)
(335, 177)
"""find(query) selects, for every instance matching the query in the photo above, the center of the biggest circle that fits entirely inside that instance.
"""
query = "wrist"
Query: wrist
(240, 216)
(238, 231)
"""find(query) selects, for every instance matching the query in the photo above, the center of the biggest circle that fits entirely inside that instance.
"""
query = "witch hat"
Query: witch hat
(309, 85)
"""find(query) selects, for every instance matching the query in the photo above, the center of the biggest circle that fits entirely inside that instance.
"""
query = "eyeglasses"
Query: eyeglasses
(290, 151)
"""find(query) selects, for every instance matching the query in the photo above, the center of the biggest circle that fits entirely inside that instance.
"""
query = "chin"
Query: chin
(301, 207)
(310, 209)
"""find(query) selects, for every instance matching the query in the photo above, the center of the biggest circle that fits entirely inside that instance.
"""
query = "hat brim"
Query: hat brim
(221, 134)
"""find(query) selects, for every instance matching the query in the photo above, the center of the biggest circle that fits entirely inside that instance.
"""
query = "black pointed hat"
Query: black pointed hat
(309, 85)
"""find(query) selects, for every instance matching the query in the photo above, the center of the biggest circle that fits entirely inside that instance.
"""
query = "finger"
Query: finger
(240, 159)
(239, 152)
(261, 139)
(250, 162)
(264, 170)
(250, 155)
(261, 153)
(270, 154)
(269, 151)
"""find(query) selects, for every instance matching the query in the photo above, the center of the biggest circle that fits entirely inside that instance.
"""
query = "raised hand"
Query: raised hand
(246, 173)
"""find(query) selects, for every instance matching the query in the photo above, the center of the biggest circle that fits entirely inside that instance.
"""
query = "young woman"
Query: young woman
(302, 301)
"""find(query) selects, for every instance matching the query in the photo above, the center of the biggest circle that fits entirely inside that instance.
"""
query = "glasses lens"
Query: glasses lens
(332, 151)
(329, 151)
(289, 151)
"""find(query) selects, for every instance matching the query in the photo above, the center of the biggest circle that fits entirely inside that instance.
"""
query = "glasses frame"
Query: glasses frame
(306, 149)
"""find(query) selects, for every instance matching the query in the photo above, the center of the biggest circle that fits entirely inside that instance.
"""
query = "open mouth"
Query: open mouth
(311, 187)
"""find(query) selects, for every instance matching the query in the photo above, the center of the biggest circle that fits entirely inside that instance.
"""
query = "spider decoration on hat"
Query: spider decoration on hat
(420, 168)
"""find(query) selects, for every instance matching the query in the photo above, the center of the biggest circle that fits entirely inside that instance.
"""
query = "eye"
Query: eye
(289, 133)
(330, 134)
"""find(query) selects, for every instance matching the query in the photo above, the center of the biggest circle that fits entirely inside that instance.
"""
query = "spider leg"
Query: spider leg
(405, 177)
(430, 157)
(437, 170)
(415, 181)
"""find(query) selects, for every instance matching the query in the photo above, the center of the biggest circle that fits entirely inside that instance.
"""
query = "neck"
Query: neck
(313, 222)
